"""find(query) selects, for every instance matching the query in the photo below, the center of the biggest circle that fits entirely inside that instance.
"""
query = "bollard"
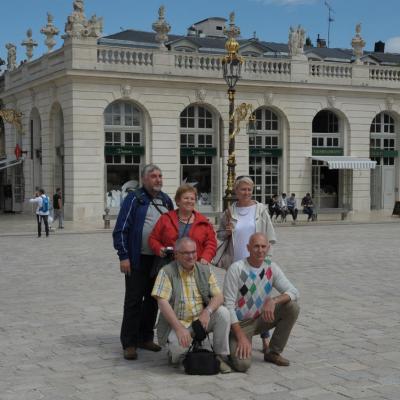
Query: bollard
(106, 218)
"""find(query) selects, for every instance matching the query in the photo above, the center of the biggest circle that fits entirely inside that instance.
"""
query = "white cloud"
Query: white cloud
(393, 45)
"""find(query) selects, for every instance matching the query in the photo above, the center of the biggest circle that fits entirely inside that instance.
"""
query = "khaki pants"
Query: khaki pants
(285, 318)
(220, 323)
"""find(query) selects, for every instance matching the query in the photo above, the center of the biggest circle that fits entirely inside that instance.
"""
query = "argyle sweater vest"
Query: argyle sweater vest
(254, 290)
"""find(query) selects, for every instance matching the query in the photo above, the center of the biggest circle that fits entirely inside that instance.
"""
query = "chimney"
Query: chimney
(321, 42)
(379, 47)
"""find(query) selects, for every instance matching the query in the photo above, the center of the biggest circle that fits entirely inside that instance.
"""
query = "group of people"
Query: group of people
(45, 209)
(283, 205)
(166, 256)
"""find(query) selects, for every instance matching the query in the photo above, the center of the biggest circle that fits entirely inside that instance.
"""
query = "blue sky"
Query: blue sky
(270, 19)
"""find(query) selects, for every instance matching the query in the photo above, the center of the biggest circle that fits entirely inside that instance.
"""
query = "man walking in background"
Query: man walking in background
(58, 208)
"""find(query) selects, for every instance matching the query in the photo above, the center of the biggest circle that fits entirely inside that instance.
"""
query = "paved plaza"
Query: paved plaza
(61, 306)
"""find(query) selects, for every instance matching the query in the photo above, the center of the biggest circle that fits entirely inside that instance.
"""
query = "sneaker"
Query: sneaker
(224, 368)
(149, 345)
(130, 353)
(276, 359)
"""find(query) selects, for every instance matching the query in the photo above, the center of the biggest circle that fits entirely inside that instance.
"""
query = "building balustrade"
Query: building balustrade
(332, 70)
(116, 55)
(115, 59)
(384, 73)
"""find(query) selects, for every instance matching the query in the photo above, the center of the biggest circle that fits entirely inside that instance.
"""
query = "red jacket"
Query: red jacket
(166, 231)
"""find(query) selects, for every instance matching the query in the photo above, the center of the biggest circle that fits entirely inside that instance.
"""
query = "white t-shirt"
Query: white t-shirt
(245, 227)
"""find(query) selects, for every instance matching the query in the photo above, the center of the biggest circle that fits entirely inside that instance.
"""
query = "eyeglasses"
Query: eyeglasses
(188, 253)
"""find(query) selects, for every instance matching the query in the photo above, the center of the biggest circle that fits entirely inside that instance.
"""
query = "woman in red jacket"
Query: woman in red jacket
(184, 221)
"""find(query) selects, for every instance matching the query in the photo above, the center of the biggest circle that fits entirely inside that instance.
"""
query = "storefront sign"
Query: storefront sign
(123, 150)
(265, 152)
(383, 153)
(198, 151)
(327, 151)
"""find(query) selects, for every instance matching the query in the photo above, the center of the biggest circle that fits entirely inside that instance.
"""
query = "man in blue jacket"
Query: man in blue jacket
(138, 215)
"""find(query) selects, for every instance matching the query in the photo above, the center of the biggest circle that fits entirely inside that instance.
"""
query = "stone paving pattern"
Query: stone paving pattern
(61, 306)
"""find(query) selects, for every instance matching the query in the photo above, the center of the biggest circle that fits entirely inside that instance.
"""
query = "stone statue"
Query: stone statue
(296, 41)
(29, 43)
(77, 26)
(49, 31)
(358, 45)
(11, 56)
(95, 26)
(161, 27)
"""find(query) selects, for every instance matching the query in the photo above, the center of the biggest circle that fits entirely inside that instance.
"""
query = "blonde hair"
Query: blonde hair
(185, 188)
(243, 179)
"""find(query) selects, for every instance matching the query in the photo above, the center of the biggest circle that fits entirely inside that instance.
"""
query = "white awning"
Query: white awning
(9, 162)
(343, 162)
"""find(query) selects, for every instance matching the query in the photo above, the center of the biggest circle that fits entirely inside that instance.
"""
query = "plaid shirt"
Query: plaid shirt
(191, 303)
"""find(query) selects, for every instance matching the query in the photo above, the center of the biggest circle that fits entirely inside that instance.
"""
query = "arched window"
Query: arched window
(124, 138)
(198, 151)
(325, 130)
(265, 154)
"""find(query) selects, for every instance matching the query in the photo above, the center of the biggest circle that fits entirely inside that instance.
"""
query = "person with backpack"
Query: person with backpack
(139, 213)
(42, 211)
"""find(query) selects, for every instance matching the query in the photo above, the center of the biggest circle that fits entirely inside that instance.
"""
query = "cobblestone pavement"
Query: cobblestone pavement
(61, 304)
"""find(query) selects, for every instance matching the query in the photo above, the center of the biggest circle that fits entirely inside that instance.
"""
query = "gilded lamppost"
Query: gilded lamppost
(232, 65)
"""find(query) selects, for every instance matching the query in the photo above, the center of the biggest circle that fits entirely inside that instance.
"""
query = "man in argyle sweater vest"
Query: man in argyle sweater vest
(247, 292)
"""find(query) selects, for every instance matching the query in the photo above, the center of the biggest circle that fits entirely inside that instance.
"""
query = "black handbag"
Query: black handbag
(199, 361)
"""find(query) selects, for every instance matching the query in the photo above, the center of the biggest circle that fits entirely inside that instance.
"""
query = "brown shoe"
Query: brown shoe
(151, 346)
(130, 353)
(276, 359)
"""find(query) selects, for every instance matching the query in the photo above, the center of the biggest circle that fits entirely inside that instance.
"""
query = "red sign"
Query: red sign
(18, 152)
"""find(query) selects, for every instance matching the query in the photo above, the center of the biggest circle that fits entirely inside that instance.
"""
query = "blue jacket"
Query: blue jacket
(127, 234)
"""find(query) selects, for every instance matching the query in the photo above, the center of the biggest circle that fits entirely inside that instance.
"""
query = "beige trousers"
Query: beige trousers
(219, 324)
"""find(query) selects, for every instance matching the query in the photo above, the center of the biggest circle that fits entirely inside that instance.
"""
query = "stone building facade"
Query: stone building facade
(98, 108)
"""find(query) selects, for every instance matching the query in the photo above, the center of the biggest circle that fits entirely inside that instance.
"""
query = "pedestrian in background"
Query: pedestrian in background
(58, 208)
(42, 210)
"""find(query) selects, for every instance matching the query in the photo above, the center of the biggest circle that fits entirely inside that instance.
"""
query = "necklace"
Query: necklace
(184, 221)
(242, 211)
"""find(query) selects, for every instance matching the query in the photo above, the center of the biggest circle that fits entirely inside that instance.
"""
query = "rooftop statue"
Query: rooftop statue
(11, 56)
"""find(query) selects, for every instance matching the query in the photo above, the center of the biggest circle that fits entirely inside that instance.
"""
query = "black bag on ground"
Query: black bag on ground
(199, 361)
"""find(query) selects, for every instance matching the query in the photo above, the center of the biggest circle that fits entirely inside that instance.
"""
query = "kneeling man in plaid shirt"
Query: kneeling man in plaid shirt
(186, 291)
(247, 291)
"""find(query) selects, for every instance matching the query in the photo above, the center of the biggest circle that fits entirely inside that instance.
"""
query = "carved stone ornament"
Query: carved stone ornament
(11, 56)
(389, 103)
(161, 27)
(12, 117)
(126, 90)
(296, 41)
(29, 43)
(77, 26)
(201, 95)
(50, 31)
(268, 98)
(331, 100)
(358, 45)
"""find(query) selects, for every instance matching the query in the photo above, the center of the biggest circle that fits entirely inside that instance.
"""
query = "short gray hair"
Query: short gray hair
(148, 168)
(180, 242)
(243, 179)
